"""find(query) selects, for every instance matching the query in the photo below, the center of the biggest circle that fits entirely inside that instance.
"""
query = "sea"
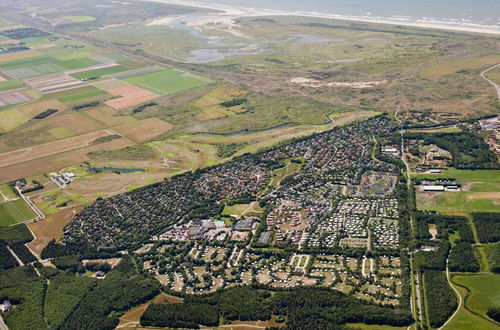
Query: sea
(473, 13)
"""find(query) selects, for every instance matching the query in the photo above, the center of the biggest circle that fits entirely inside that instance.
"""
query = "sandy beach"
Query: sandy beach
(227, 14)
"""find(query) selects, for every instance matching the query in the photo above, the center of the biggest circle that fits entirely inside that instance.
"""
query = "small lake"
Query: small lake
(116, 169)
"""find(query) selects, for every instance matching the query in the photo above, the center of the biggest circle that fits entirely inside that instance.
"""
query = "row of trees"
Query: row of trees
(493, 254)
(487, 226)
(463, 259)
(7, 261)
(187, 315)
(440, 298)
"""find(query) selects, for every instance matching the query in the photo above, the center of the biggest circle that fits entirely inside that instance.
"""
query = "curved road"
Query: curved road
(482, 75)
(456, 292)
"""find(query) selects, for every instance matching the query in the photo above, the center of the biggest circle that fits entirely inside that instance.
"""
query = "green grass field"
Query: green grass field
(464, 175)
(11, 118)
(32, 67)
(166, 82)
(71, 92)
(100, 72)
(436, 130)
(15, 212)
(466, 320)
(450, 202)
(82, 96)
(478, 195)
(7, 191)
(484, 293)
(10, 84)
(78, 63)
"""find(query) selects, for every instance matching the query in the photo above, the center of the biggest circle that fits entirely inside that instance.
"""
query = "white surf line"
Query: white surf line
(228, 13)
(482, 75)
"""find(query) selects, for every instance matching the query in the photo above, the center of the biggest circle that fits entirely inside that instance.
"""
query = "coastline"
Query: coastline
(227, 14)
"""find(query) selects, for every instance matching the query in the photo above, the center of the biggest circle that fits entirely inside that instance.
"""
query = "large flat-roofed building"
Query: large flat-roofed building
(433, 188)
(245, 224)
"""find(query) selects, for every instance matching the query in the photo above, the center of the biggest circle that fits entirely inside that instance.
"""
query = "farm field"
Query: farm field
(100, 72)
(465, 319)
(76, 97)
(30, 153)
(484, 291)
(463, 175)
(450, 202)
(56, 161)
(7, 192)
(10, 84)
(479, 193)
(166, 82)
(15, 212)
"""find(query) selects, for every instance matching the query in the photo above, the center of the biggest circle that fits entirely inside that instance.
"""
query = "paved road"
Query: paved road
(3, 326)
(19, 261)
(482, 74)
(456, 292)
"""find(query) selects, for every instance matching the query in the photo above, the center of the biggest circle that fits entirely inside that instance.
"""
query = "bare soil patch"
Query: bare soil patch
(144, 130)
(109, 116)
(129, 96)
(483, 195)
(57, 161)
(75, 123)
(13, 98)
(27, 154)
(32, 109)
(317, 83)
(50, 228)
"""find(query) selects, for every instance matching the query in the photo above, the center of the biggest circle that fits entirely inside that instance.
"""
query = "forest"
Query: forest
(14, 237)
(487, 227)
(440, 298)
(186, 315)
(446, 224)
(468, 150)
(463, 259)
(7, 261)
(118, 292)
(432, 260)
(304, 308)
(493, 254)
